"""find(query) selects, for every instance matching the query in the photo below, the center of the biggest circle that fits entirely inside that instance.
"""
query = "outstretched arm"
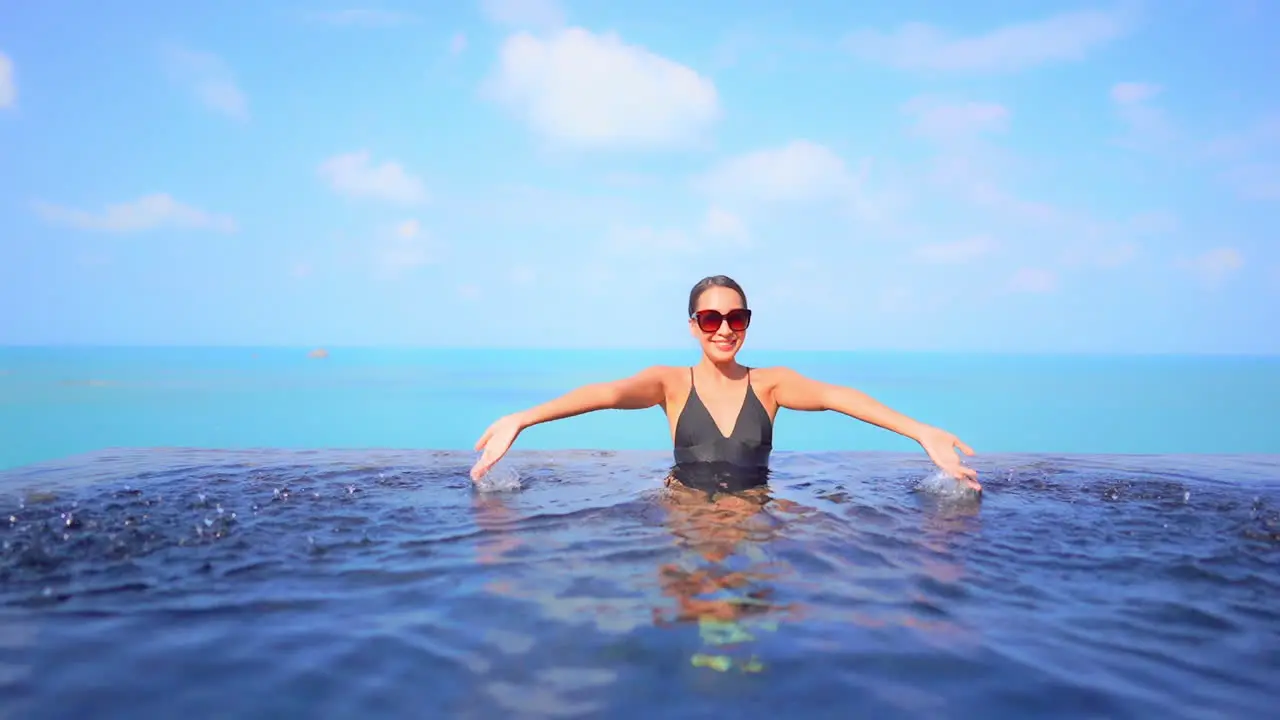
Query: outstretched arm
(797, 392)
(642, 390)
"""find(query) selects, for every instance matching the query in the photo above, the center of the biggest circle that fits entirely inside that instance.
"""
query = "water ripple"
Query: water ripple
(267, 584)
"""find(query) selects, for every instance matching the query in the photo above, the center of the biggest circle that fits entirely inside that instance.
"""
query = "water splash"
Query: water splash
(499, 478)
(944, 487)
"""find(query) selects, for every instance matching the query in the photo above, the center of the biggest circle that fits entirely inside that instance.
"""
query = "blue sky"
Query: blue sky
(1002, 176)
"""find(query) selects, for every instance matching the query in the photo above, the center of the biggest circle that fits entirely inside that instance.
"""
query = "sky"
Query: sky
(992, 176)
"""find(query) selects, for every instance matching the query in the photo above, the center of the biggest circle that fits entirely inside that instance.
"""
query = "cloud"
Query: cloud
(917, 46)
(595, 91)
(645, 243)
(959, 251)
(724, 225)
(8, 84)
(1133, 93)
(354, 175)
(1147, 124)
(646, 240)
(209, 78)
(405, 248)
(457, 44)
(1117, 255)
(800, 171)
(150, 212)
(1033, 281)
(529, 14)
(1248, 161)
(1255, 181)
(1260, 136)
(940, 120)
(364, 17)
(1214, 266)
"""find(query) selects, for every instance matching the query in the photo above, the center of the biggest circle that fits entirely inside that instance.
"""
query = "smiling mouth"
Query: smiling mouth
(725, 344)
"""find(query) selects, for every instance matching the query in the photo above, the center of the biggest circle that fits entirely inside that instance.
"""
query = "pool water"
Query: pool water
(200, 583)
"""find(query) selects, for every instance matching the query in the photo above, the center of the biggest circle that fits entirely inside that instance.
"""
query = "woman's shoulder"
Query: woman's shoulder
(772, 374)
(664, 373)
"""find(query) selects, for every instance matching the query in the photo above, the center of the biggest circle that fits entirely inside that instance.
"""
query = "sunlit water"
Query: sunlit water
(245, 584)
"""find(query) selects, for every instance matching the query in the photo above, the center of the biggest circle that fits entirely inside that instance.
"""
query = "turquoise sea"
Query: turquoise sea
(59, 402)
(250, 532)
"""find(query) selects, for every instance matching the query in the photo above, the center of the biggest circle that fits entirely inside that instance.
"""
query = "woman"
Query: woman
(720, 412)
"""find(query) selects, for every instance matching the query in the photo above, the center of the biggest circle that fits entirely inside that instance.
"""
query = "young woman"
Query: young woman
(720, 412)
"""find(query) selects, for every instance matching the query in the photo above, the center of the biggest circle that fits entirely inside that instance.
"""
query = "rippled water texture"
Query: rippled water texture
(192, 584)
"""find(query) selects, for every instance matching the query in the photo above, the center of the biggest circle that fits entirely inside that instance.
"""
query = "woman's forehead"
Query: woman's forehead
(719, 298)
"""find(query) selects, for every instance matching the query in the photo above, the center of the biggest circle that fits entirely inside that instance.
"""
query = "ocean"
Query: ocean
(249, 532)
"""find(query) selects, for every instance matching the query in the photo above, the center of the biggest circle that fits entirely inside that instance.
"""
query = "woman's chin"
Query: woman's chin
(722, 353)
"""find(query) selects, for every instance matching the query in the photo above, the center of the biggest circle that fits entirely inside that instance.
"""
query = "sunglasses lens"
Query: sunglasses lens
(709, 321)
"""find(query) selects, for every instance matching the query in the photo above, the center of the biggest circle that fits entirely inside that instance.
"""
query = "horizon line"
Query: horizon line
(306, 348)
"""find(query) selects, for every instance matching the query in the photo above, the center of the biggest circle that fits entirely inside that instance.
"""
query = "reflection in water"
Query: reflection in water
(720, 516)
(386, 581)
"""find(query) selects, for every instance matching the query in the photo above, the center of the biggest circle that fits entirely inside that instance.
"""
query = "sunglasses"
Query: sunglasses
(709, 320)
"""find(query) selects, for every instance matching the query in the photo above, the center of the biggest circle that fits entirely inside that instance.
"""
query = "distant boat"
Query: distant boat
(319, 353)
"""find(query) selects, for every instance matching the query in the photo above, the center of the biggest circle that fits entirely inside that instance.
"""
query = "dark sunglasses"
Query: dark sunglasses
(709, 320)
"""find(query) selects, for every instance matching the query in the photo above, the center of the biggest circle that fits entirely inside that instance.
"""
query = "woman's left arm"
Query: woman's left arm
(797, 392)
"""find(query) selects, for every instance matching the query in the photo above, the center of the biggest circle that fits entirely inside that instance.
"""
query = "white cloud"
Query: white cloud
(209, 78)
(150, 212)
(522, 275)
(1248, 157)
(1255, 181)
(457, 44)
(646, 240)
(722, 224)
(354, 175)
(594, 91)
(1033, 280)
(1214, 266)
(365, 17)
(407, 247)
(8, 84)
(1263, 134)
(1117, 255)
(959, 251)
(1147, 124)
(718, 229)
(1061, 38)
(948, 121)
(1130, 93)
(530, 14)
(799, 171)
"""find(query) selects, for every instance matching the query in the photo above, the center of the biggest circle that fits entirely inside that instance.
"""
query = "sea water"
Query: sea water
(251, 533)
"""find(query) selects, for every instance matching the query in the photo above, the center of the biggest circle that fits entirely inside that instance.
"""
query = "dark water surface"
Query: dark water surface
(202, 584)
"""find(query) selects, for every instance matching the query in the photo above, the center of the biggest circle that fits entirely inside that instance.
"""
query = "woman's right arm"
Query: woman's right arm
(645, 389)
(642, 390)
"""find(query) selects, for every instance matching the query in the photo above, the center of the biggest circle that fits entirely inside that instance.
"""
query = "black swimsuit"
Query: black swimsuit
(704, 455)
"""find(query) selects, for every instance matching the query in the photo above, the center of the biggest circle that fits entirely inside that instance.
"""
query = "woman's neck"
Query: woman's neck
(729, 370)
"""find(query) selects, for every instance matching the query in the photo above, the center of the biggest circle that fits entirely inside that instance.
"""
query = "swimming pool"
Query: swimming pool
(242, 583)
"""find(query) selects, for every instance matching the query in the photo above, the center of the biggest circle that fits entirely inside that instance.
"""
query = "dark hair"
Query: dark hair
(707, 283)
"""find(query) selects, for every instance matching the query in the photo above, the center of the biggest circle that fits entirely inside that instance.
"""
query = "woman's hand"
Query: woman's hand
(495, 442)
(941, 447)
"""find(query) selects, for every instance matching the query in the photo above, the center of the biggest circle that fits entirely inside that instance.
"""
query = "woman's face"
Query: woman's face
(723, 343)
